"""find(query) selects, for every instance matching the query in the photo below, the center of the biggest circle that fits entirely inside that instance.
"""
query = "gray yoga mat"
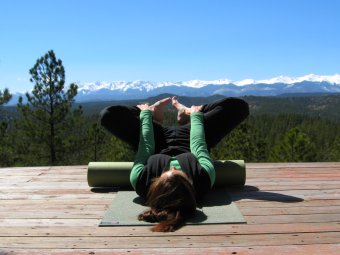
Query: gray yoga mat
(117, 174)
(217, 208)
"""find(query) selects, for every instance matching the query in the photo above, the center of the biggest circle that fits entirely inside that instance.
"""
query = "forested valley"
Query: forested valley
(51, 129)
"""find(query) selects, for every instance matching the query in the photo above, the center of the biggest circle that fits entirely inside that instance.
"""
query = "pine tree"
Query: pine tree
(294, 147)
(5, 148)
(74, 138)
(98, 137)
(45, 113)
(117, 150)
(5, 96)
(239, 144)
(6, 152)
(335, 150)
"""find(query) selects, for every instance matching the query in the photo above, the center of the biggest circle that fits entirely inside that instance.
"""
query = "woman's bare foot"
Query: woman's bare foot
(158, 109)
(195, 108)
(183, 112)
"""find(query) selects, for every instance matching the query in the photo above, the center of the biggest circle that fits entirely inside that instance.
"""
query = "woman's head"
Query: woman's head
(172, 200)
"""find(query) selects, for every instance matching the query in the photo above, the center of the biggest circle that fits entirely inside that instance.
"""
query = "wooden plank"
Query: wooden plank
(42, 207)
(54, 202)
(283, 176)
(43, 211)
(329, 249)
(293, 171)
(214, 229)
(294, 186)
(286, 192)
(60, 178)
(283, 167)
(268, 250)
(47, 186)
(255, 179)
(256, 219)
(279, 165)
(292, 182)
(49, 222)
(56, 196)
(52, 191)
(290, 211)
(34, 168)
(11, 180)
(284, 196)
(45, 168)
(260, 219)
(279, 204)
(287, 185)
(236, 193)
(56, 214)
(164, 241)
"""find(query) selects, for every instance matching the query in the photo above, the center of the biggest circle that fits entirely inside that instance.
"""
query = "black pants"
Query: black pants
(220, 118)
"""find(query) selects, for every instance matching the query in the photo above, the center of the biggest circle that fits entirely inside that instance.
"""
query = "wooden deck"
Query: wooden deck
(290, 209)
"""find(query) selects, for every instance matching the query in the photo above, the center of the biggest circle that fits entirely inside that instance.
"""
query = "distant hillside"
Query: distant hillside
(91, 108)
(322, 105)
(325, 106)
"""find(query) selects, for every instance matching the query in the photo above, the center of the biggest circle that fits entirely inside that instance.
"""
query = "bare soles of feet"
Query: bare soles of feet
(158, 109)
(183, 112)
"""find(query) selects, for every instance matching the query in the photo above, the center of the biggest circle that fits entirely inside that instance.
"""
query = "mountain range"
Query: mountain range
(121, 90)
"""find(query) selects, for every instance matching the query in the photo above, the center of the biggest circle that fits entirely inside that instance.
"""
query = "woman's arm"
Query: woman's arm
(146, 146)
(198, 145)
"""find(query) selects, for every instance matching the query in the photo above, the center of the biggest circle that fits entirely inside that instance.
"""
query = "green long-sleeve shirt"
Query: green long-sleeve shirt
(146, 146)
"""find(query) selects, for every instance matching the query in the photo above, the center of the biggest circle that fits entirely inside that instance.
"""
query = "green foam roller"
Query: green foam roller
(117, 174)
(109, 174)
(230, 172)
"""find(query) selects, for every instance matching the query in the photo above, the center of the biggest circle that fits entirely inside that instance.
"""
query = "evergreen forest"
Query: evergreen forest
(50, 128)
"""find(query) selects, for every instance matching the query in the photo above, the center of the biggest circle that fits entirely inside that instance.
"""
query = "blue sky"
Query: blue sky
(169, 40)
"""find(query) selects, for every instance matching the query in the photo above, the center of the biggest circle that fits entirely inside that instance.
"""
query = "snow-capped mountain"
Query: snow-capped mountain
(119, 90)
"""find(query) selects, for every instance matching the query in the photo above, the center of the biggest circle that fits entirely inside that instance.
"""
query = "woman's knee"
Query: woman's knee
(111, 113)
(242, 106)
(104, 116)
(236, 105)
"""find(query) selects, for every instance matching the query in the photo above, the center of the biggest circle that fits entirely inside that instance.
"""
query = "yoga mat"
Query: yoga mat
(217, 208)
(117, 174)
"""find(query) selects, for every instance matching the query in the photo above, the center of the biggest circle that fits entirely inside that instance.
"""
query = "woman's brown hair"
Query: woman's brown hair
(172, 201)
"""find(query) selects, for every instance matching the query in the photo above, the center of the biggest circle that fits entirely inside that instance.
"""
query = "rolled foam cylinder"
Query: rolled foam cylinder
(117, 174)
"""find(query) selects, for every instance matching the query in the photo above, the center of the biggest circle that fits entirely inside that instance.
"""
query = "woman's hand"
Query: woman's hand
(143, 107)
